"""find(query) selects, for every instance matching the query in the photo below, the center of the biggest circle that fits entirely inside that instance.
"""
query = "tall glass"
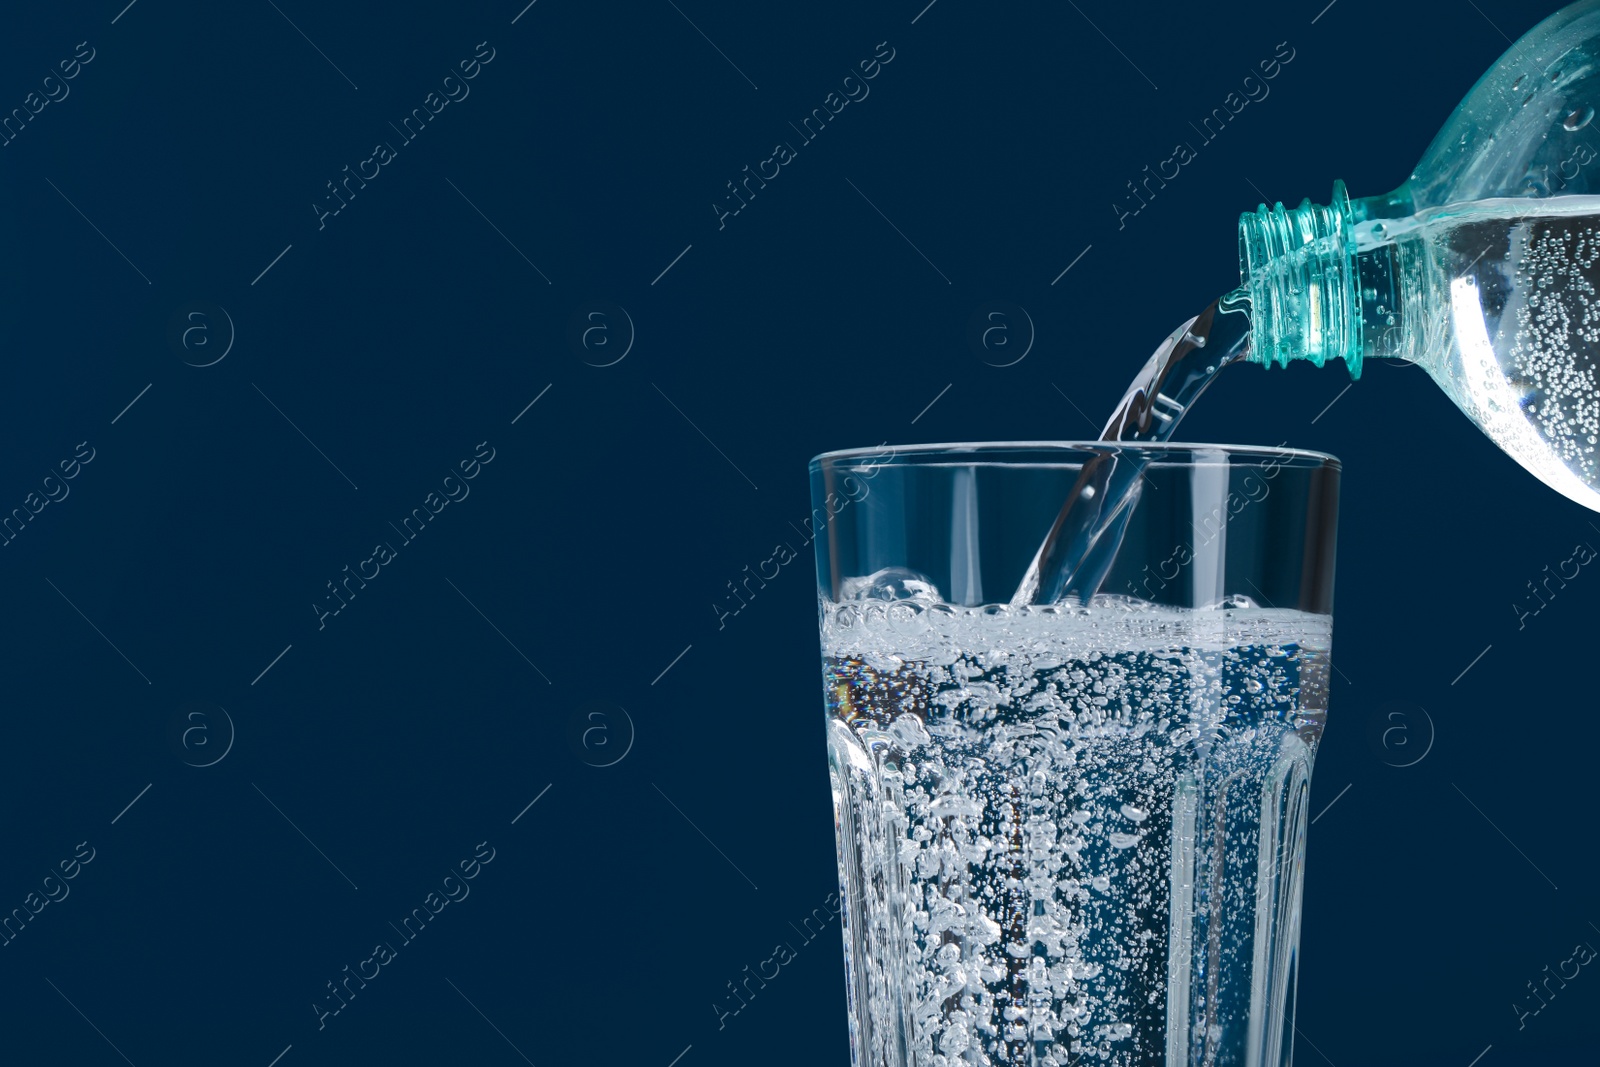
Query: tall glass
(1072, 834)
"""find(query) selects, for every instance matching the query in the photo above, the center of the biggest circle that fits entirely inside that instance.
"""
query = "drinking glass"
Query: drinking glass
(1072, 833)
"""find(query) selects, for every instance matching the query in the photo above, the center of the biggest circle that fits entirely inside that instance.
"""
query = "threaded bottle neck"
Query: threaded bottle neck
(1299, 268)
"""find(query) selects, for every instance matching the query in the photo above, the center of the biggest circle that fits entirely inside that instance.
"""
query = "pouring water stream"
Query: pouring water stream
(1083, 541)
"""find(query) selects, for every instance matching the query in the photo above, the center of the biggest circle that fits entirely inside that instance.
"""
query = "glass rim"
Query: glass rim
(1071, 452)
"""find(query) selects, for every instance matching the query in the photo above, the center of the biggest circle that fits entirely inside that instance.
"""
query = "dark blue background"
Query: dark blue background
(456, 687)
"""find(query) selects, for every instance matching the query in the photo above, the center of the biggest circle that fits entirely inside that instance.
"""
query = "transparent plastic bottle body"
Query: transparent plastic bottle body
(1506, 311)
(1483, 268)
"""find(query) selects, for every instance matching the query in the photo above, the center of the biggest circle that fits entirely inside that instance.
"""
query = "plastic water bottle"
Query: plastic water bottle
(1483, 267)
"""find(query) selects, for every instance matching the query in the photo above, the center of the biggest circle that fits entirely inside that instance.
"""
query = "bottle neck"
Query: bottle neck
(1313, 295)
(1298, 267)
